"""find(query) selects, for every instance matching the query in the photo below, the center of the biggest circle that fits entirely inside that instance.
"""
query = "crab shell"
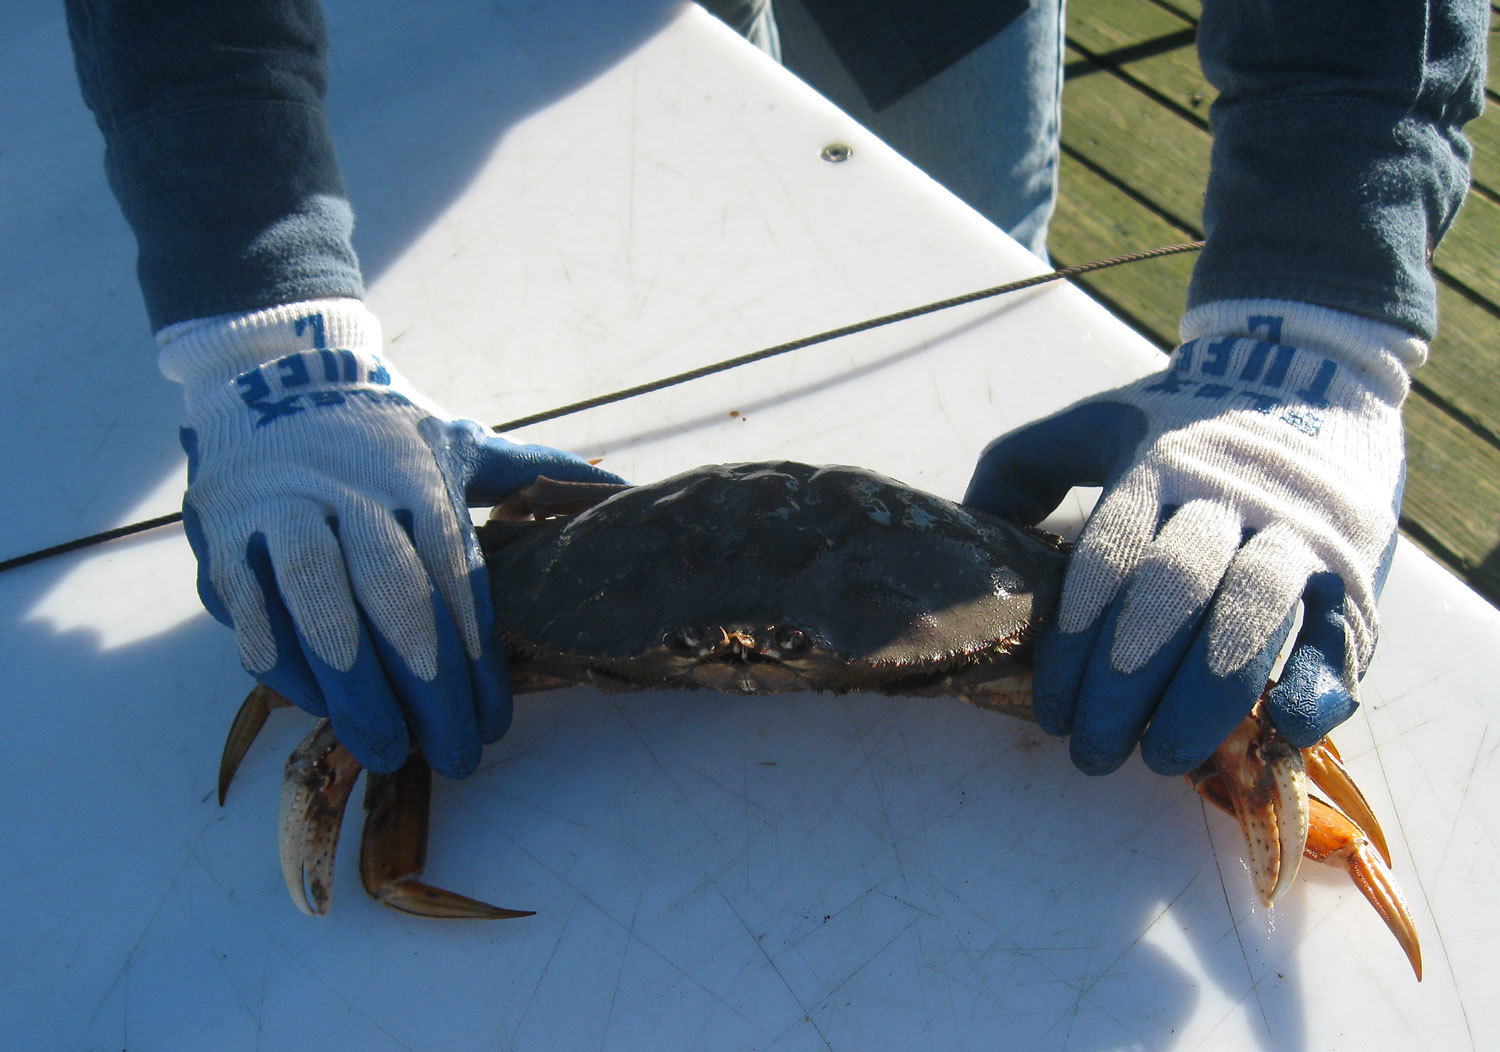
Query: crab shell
(761, 578)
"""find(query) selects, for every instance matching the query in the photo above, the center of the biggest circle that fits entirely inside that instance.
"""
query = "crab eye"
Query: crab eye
(686, 640)
(789, 640)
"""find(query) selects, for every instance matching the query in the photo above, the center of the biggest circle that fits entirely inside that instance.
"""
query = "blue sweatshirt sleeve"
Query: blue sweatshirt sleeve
(1338, 157)
(218, 151)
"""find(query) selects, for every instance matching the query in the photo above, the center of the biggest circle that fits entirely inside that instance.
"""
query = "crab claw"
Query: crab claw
(1337, 840)
(1329, 774)
(320, 775)
(248, 721)
(1263, 782)
(1261, 779)
(393, 849)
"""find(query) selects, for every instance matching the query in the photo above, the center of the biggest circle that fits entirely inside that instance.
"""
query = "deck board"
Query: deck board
(1136, 149)
(1436, 512)
(1468, 253)
(1149, 296)
(1142, 145)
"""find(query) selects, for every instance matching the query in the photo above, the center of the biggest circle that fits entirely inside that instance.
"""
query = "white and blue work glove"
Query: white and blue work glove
(1262, 467)
(327, 504)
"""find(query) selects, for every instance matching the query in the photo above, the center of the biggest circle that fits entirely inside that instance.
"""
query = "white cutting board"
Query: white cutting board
(558, 201)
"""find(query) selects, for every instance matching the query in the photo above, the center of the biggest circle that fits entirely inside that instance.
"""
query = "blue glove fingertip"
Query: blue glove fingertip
(493, 705)
(366, 718)
(1314, 695)
(197, 540)
(561, 465)
(291, 677)
(1006, 483)
(486, 468)
(440, 712)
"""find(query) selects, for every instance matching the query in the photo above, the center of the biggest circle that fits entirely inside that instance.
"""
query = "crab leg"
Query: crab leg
(977, 685)
(546, 498)
(1255, 776)
(393, 849)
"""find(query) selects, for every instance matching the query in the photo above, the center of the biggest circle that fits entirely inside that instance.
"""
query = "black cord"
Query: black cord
(833, 334)
(89, 541)
(672, 381)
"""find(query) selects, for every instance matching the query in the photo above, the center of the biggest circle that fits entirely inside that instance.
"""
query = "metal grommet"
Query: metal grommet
(836, 152)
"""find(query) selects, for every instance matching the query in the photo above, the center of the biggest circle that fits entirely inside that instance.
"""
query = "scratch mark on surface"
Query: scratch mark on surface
(786, 984)
(1235, 924)
(1417, 870)
(614, 994)
(869, 960)
(666, 770)
(1085, 987)
(130, 955)
(582, 896)
(266, 929)
(542, 975)
(1463, 797)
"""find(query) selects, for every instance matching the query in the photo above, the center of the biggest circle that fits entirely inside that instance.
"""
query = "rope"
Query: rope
(89, 541)
(833, 334)
(675, 379)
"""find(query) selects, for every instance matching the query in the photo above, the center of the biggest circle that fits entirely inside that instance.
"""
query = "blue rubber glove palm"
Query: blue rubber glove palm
(1262, 467)
(327, 505)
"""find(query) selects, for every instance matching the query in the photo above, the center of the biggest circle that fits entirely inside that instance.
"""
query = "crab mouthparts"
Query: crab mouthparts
(737, 659)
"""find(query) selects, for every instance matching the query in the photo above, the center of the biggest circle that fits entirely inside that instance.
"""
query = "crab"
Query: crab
(784, 577)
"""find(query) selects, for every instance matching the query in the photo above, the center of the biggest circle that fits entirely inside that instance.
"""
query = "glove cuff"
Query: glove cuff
(204, 354)
(1381, 355)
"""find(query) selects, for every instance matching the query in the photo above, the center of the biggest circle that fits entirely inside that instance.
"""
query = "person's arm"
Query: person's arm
(327, 499)
(217, 148)
(1264, 466)
(1338, 156)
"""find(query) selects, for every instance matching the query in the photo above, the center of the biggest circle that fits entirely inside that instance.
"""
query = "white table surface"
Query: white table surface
(555, 202)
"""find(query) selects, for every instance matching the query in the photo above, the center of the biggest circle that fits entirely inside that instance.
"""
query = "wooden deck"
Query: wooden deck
(1135, 160)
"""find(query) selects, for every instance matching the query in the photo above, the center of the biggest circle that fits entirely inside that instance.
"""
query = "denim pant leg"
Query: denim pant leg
(986, 127)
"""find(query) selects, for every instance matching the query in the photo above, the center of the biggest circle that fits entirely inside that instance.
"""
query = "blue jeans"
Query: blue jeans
(986, 127)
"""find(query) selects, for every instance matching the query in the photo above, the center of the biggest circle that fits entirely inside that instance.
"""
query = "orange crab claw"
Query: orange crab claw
(1329, 774)
(393, 849)
(1263, 782)
(1337, 840)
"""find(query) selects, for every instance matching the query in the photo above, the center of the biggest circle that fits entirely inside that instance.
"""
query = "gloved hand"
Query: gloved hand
(1263, 466)
(327, 505)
